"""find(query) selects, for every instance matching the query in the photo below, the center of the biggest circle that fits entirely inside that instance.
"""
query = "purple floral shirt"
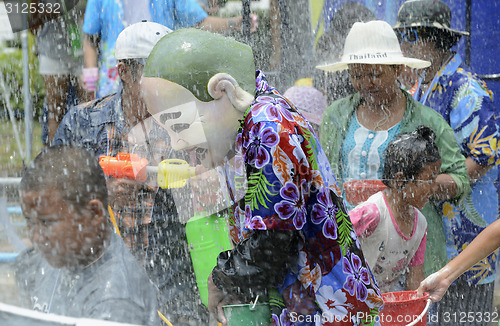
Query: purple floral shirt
(289, 186)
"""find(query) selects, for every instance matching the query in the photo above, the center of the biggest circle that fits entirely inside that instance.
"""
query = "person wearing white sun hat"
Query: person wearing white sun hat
(355, 130)
(381, 47)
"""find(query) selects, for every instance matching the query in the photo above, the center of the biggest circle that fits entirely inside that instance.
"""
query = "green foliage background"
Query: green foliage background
(11, 66)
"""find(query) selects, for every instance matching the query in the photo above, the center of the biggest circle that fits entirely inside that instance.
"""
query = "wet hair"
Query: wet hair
(339, 26)
(73, 171)
(409, 153)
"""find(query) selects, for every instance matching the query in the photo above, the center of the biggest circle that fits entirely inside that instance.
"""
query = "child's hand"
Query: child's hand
(435, 284)
(237, 22)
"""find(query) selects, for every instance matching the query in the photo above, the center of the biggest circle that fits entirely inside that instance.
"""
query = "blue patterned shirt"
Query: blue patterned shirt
(467, 105)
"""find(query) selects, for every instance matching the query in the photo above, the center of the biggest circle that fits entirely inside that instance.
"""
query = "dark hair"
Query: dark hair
(442, 39)
(329, 49)
(73, 171)
(409, 153)
(332, 40)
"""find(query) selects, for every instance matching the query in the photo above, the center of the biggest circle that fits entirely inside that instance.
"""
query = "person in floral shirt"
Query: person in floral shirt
(467, 105)
(294, 243)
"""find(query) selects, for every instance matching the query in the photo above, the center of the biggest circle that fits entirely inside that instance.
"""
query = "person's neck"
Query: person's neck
(221, 140)
(402, 212)
(133, 107)
(100, 250)
(438, 61)
(377, 116)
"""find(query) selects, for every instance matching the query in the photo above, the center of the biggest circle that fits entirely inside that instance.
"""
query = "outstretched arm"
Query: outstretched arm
(220, 24)
(446, 187)
(90, 56)
(90, 51)
(476, 171)
(483, 245)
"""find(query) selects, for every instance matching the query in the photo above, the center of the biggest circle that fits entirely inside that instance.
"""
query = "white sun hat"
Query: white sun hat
(137, 40)
(373, 42)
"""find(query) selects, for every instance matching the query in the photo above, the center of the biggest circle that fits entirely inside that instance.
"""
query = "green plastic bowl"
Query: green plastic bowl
(248, 314)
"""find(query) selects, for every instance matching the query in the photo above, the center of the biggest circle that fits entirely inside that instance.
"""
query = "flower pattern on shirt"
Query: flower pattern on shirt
(336, 302)
(324, 212)
(258, 144)
(358, 277)
(290, 187)
(292, 206)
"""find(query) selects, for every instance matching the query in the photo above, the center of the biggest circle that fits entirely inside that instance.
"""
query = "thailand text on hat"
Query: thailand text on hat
(426, 13)
(137, 40)
(373, 43)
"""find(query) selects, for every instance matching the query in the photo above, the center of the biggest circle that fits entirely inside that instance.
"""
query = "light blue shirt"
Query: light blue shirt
(363, 152)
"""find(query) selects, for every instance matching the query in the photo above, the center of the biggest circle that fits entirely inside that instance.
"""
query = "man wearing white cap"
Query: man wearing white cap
(104, 126)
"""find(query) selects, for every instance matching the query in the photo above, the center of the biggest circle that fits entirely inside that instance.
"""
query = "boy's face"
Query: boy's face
(62, 234)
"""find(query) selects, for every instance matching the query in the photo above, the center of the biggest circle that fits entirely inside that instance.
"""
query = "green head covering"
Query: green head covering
(190, 57)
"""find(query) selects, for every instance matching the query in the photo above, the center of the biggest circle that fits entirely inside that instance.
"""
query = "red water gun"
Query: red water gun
(124, 165)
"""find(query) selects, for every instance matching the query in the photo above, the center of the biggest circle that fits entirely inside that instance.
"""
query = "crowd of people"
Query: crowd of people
(394, 104)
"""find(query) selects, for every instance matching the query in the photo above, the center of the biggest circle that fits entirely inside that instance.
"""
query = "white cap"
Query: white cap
(137, 40)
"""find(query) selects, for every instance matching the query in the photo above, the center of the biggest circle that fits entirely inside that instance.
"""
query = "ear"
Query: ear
(98, 212)
(223, 83)
(124, 72)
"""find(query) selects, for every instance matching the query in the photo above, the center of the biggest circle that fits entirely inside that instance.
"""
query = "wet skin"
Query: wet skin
(65, 236)
(377, 84)
(425, 49)
(417, 192)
